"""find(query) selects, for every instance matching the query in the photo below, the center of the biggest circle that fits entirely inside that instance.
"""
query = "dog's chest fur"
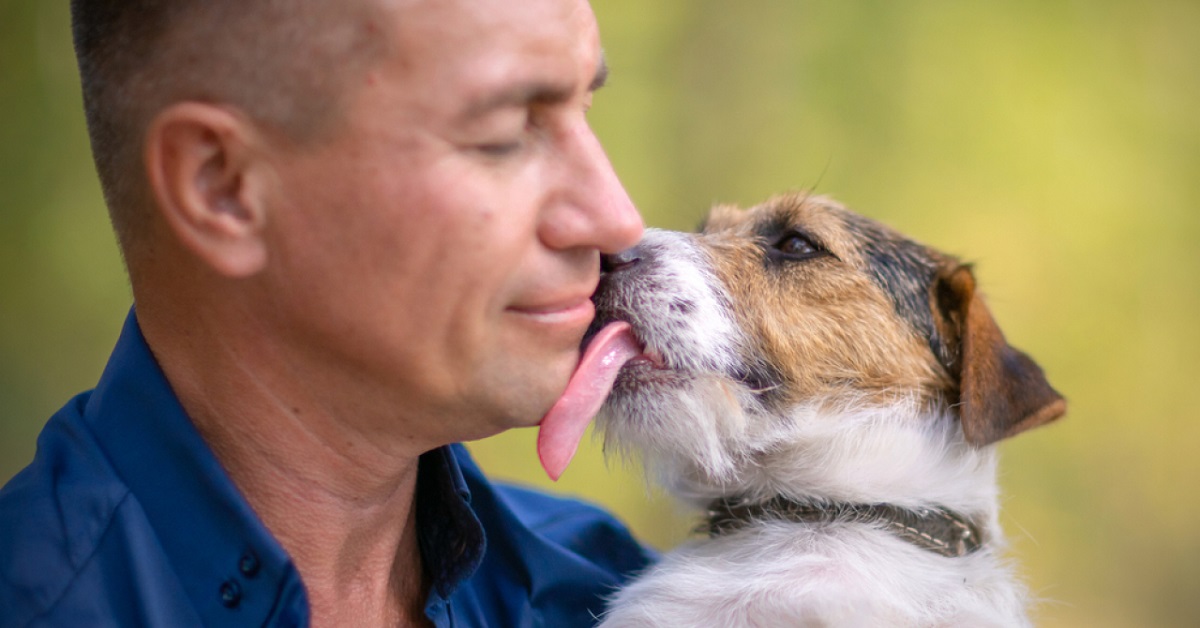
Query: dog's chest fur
(797, 351)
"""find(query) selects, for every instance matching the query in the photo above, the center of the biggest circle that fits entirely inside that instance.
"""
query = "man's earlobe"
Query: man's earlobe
(201, 169)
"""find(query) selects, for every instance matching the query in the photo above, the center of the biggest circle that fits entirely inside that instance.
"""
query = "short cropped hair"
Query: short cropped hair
(284, 63)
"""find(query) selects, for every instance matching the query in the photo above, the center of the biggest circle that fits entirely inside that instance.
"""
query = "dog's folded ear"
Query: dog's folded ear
(1002, 391)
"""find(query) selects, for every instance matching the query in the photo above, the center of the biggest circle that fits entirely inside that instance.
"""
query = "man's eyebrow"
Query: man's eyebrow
(536, 93)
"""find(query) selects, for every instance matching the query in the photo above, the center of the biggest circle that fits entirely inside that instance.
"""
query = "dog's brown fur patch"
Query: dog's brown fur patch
(824, 324)
(876, 318)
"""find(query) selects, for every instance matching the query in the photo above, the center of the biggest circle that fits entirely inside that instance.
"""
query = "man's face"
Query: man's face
(434, 259)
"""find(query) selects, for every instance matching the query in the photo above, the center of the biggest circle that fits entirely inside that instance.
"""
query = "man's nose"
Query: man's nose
(593, 210)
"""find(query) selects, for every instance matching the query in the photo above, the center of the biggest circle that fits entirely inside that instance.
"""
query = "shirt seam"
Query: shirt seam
(108, 526)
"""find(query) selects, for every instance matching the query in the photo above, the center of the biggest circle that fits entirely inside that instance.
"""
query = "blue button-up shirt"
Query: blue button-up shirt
(125, 518)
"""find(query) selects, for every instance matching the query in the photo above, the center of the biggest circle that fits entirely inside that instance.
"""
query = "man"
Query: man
(356, 232)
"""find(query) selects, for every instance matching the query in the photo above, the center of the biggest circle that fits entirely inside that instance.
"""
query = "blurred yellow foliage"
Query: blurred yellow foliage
(1056, 144)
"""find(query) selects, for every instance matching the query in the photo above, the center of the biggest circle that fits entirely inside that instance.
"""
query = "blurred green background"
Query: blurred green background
(1056, 143)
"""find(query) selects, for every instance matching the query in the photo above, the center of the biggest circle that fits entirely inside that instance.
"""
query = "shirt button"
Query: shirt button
(249, 565)
(231, 594)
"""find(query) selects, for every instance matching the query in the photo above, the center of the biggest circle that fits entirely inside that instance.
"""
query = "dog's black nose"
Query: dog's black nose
(617, 262)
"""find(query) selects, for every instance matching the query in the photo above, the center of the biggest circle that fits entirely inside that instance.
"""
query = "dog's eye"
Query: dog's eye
(797, 246)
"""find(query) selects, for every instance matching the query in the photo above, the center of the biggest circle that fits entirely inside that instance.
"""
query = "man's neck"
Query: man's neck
(340, 503)
(359, 560)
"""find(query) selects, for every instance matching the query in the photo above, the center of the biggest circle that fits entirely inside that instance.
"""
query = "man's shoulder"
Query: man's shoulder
(538, 510)
(551, 560)
(66, 495)
(573, 526)
(552, 513)
(583, 528)
(53, 515)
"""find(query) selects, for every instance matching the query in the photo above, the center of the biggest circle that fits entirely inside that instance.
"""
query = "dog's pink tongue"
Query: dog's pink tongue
(563, 426)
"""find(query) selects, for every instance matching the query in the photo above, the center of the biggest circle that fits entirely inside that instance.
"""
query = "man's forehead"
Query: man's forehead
(532, 90)
(453, 62)
(466, 22)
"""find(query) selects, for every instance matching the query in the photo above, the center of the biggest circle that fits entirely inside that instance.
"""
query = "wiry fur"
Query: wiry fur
(814, 382)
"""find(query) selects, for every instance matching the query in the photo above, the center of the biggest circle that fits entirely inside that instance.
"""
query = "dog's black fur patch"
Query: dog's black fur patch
(906, 272)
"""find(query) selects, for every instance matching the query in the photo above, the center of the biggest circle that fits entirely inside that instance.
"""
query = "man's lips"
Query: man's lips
(566, 308)
(555, 311)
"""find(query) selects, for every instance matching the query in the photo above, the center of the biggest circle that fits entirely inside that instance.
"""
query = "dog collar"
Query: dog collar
(937, 530)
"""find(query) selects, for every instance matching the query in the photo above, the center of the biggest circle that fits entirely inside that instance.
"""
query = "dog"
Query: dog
(829, 392)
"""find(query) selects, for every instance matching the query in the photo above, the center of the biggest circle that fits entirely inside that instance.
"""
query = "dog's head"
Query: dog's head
(783, 321)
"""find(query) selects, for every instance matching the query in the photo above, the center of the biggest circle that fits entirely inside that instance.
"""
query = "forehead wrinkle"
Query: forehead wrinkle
(496, 54)
(533, 92)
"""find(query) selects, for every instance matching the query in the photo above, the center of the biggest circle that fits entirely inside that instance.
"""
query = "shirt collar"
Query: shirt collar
(231, 567)
(449, 532)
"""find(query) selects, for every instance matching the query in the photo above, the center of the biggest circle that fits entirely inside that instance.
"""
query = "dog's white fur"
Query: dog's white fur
(706, 435)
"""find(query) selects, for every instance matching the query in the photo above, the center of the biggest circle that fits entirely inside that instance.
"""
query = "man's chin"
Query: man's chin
(538, 399)
(529, 379)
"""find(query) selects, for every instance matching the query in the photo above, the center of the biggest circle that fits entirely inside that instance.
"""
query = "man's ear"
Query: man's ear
(207, 185)
(1002, 391)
